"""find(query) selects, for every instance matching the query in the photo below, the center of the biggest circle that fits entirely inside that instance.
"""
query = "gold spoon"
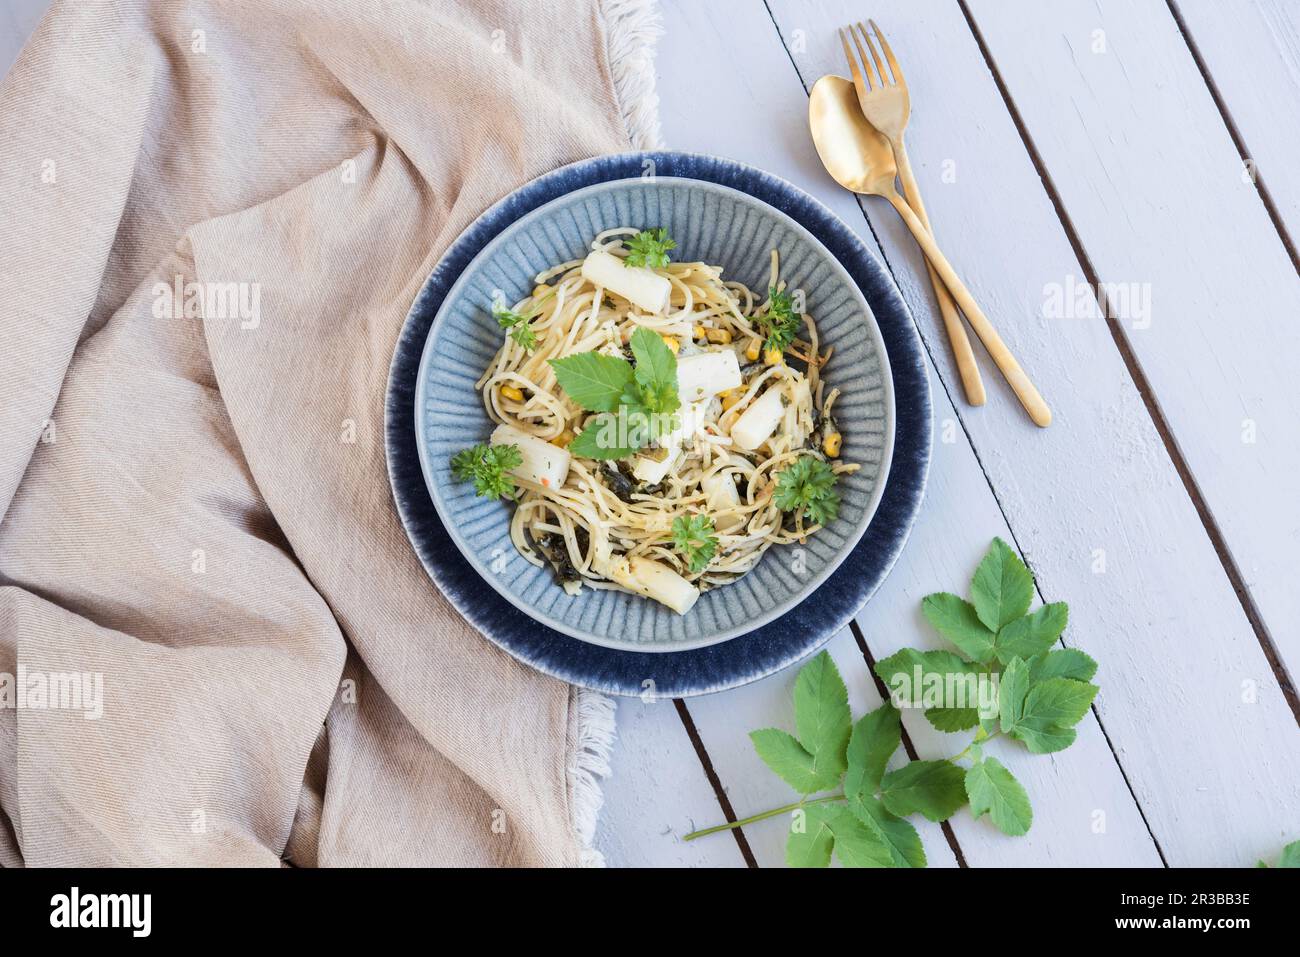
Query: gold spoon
(859, 158)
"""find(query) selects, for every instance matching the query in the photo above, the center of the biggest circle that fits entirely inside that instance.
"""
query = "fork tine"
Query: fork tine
(866, 63)
(880, 66)
(894, 68)
(862, 85)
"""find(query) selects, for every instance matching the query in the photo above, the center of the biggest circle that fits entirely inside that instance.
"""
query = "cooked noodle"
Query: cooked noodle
(602, 511)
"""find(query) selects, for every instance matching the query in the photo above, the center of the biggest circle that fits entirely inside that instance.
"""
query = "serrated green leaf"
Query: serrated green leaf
(1032, 634)
(898, 836)
(899, 671)
(656, 371)
(956, 619)
(953, 719)
(1290, 855)
(856, 844)
(810, 841)
(994, 790)
(787, 757)
(600, 440)
(821, 715)
(1012, 690)
(875, 738)
(593, 380)
(1059, 701)
(1002, 587)
(1062, 663)
(932, 788)
(1043, 737)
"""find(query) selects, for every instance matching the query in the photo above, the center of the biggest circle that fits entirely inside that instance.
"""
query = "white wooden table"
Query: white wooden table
(1057, 142)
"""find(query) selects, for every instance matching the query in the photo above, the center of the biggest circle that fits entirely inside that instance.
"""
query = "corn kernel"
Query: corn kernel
(510, 392)
(672, 343)
(730, 398)
(720, 336)
(698, 332)
(751, 351)
(831, 445)
(771, 357)
(563, 439)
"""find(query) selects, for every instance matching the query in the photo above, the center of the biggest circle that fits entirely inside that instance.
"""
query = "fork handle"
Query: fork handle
(1002, 357)
(962, 352)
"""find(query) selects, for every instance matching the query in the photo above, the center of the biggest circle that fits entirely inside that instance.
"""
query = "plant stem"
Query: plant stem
(763, 816)
(977, 740)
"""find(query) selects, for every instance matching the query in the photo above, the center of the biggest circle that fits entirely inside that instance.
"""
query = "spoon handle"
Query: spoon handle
(962, 354)
(1002, 357)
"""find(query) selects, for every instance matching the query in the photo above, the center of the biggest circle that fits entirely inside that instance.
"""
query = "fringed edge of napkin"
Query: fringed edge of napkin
(632, 28)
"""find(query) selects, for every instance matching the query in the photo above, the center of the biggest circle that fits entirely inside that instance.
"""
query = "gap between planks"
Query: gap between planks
(957, 409)
(1140, 381)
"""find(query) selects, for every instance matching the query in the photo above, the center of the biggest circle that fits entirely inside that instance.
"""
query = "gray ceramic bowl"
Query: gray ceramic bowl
(712, 223)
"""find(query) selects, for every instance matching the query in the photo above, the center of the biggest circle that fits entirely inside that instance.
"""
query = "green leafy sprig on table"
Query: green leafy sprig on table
(1042, 693)
(614, 387)
(1290, 857)
(649, 248)
(489, 467)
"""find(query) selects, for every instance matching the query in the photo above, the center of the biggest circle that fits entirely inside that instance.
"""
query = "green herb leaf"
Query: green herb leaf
(898, 836)
(875, 738)
(694, 538)
(807, 485)
(857, 844)
(600, 440)
(1002, 588)
(1034, 633)
(821, 714)
(488, 465)
(1062, 701)
(1290, 855)
(899, 673)
(933, 788)
(1011, 694)
(810, 841)
(593, 380)
(795, 766)
(995, 791)
(656, 372)
(649, 248)
(1043, 737)
(956, 619)
(517, 324)
(779, 323)
(1062, 663)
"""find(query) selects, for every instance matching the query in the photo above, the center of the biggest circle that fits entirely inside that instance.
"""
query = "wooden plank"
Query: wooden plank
(656, 792)
(1251, 51)
(1094, 502)
(1151, 180)
(755, 110)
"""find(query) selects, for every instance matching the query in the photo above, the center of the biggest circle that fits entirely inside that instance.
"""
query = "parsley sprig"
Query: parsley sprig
(488, 466)
(807, 486)
(518, 325)
(637, 403)
(780, 323)
(649, 248)
(1041, 692)
(693, 536)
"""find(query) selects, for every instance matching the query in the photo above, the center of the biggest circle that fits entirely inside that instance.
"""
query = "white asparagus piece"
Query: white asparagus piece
(705, 374)
(722, 495)
(640, 286)
(543, 463)
(652, 469)
(655, 580)
(759, 421)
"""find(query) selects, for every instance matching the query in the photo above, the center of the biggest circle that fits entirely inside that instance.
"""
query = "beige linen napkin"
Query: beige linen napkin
(193, 495)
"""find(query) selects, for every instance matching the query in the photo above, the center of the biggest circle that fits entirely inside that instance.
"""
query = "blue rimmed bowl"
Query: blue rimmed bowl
(710, 223)
(720, 212)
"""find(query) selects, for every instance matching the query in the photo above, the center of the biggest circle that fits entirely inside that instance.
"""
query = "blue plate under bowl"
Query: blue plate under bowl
(720, 212)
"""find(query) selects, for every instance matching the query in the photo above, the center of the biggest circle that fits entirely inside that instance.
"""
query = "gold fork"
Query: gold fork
(885, 104)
